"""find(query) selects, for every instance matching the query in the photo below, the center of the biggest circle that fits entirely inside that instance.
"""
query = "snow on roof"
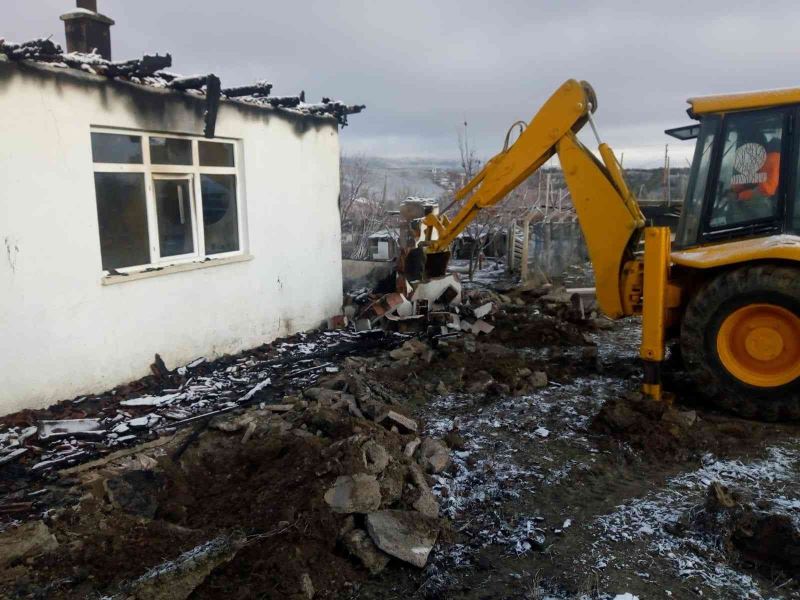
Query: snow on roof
(149, 71)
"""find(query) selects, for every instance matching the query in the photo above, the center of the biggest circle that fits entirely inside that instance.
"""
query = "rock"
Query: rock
(406, 535)
(434, 455)
(480, 382)
(392, 483)
(391, 418)
(307, 586)
(539, 379)
(426, 502)
(359, 544)
(26, 541)
(230, 424)
(135, 492)
(682, 418)
(359, 493)
(376, 458)
(442, 389)
(177, 579)
(455, 440)
(411, 447)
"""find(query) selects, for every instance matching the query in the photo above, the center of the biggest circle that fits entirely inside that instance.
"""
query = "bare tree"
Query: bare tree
(354, 182)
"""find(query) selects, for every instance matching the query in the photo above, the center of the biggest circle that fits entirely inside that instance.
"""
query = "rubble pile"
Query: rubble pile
(335, 479)
(33, 444)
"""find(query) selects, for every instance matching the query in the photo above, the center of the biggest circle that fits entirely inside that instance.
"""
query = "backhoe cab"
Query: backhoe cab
(729, 286)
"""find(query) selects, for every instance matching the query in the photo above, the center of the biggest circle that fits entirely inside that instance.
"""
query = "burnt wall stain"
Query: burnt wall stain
(153, 108)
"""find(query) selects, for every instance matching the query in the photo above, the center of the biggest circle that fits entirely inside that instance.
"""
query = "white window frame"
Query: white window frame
(192, 173)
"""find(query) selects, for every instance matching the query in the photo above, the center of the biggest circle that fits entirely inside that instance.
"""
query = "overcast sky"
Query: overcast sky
(423, 68)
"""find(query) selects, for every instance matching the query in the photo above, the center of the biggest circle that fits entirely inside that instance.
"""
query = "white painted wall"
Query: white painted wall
(63, 333)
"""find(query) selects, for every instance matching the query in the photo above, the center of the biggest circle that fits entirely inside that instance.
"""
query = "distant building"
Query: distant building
(143, 213)
(383, 245)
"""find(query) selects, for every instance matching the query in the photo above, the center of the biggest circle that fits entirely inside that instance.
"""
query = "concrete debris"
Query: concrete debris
(51, 430)
(376, 458)
(426, 502)
(358, 543)
(26, 541)
(411, 447)
(539, 379)
(177, 579)
(307, 586)
(434, 455)
(406, 535)
(359, 493)
(230, 423)
(394, 418)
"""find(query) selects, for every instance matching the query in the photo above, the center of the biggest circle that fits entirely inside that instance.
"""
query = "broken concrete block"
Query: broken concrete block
(539, 379)
(26, 541)
(177, 579)
(434, 455)
(440, 290)
(52, 430)
(392, 483)
(426, 502)
(394, 418)
(682, 418)
(307, 586)
(359, 493)
(484, 310)
(230, 423)
(411, 447)
(481, 326)
(359, 544)
(376, 458)
(406, 535)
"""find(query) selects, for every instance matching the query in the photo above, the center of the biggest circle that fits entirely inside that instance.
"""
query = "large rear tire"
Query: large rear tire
(740, 340)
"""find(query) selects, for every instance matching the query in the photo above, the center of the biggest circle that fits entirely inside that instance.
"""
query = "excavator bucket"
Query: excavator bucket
(436, 263)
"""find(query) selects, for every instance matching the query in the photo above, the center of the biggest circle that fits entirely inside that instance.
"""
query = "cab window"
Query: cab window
(748, 184)
(689, 225)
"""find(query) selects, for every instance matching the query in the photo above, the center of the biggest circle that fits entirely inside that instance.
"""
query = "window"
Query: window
(748, 185)
(164, 199)
(689, 225)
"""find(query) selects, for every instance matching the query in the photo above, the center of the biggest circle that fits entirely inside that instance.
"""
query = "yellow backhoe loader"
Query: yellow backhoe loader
(728, 286)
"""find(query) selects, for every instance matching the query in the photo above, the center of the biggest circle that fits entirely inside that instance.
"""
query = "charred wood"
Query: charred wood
(260, 89)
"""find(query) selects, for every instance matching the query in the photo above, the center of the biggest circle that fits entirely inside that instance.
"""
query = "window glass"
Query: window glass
(692, 213)
(216, 154)
(116, 148)
(122, 216)
(220, 220)
(174, 211)
(170, 151)
(749, 175)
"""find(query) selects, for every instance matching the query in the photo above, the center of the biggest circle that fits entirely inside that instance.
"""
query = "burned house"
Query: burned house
(143, 212)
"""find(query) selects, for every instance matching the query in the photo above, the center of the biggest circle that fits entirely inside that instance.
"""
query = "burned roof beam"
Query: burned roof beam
(142, 67)
(337, 109)
(40, 49)
(258, 90)
(283, 101)
(211, 85)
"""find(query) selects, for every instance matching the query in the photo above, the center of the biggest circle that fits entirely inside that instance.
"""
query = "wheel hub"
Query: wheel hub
(759, 344)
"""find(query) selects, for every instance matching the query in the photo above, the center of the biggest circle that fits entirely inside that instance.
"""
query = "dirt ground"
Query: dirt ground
(562, 484)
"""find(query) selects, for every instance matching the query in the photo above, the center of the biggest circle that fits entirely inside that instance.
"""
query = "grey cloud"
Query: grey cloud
(423, 67)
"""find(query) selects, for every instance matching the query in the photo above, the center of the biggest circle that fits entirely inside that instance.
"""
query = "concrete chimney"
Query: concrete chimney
(87, 29)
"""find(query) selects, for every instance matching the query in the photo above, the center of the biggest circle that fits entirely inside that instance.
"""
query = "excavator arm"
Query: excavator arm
(607, 211)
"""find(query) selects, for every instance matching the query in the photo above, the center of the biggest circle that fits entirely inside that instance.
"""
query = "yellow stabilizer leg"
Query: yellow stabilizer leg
(654, 307)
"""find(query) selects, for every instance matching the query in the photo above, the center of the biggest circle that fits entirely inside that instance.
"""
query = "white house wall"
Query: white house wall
(63, 333)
